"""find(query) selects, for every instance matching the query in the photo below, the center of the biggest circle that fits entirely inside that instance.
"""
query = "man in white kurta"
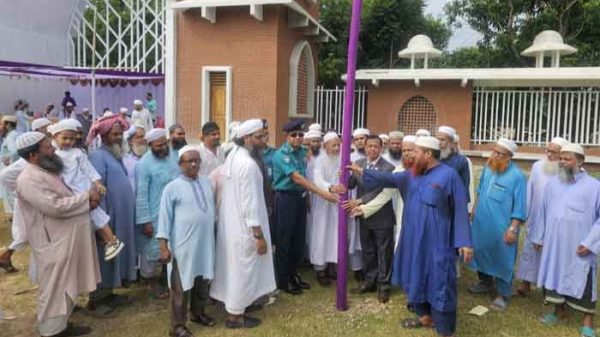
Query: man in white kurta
(541, 172)
(60, 234)
(313, 141)
(324, 234)
(211, 153)
(186, 227)
(244, 261)
(141, 114)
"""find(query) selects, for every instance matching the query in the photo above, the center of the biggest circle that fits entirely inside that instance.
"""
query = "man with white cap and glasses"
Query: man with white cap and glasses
(59, 231)
(435, 229)
(153, 172)
(142, 114)
(394, 151)
(186, 227)
(568, 236)
(450, 156)
(499, 212)
(541, 171)
(244, 259)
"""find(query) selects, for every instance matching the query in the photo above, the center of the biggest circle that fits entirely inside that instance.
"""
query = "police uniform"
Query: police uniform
(290, 210)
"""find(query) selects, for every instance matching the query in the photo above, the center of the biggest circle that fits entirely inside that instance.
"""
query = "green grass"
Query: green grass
(311, 314)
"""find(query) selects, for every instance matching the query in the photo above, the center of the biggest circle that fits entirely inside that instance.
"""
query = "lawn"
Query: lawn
(310, 314)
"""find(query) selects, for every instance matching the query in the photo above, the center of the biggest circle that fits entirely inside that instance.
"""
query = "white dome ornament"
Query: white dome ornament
(420, 47)
(548, 43)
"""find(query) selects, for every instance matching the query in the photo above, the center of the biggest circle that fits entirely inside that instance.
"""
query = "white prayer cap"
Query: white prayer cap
(428, 142)
(85, 110)
(396, 134)
(74, 123)
(69, 104)
(10, 118)
(107, 113)
(138, 102)
(383, 136)
(123, 110)
(559, 141)
(507, 144)
(312, 134)
(232, 127)
(315, 127)
(133, 128)
(361, 132)
(155, 134)
(422, 132)
(330, 136)
(187, 148)
(572, 147)
(28, 139)
(447, 130)
(61, 126)
(409, 139)
(249, 127)
(40, 123)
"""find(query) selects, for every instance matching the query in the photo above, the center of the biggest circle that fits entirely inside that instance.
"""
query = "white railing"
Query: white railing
(130, 36)
(533, 117)
(329, 107)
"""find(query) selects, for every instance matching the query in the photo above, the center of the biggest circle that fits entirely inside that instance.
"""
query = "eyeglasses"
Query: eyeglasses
(297, 134)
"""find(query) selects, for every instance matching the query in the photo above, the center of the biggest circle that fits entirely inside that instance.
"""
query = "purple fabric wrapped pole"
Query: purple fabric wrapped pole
(342, 267)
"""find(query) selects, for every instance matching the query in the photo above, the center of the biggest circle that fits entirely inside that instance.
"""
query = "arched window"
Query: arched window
(417, 113)
(302, 81)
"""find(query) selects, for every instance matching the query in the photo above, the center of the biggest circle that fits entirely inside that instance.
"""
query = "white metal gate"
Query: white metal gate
(329, 107)
(533, 117)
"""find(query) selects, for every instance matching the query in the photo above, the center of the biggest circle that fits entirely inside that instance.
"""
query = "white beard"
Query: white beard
(445, 153)
(550, 167)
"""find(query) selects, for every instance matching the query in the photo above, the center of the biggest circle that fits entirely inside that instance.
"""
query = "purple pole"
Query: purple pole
(342, 267)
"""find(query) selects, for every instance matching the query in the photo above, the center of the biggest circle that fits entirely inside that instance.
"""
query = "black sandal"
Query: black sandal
(181, 331)
(8, 267)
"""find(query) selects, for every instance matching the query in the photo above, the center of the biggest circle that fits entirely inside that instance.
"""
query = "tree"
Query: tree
(386, 27)
(510, 26)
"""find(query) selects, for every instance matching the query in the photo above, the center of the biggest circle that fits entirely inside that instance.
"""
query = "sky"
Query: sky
(461, 37)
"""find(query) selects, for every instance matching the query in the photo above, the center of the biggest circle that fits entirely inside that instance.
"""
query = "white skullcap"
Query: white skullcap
(559, 141)
(507, 144)
(383, 136)
(187, 148)
(396, 134)
(232, 127)
(138, 102)
(249, 127)
(447, 130)
(409, 139)
(315, 127)
(155, 134)
(138, 124)
(69, 104)
(108, 113)
(361, 132)
(313, 134)
(330, 136)
(422, 132)
(61, 126)
(29, 139)
(123, 110)
(428, 142)
(39, 123)
(86, 109)
(572, 147)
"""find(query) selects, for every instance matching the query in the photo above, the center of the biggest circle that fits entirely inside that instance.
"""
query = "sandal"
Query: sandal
(181, 331)
(414, 323)
(499, 304)
(8, 267)
(549, 319)
(586, 331)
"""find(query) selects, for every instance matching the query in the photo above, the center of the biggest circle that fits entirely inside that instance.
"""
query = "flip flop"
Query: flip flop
(549, 319)
(8, 267)
(586, 331)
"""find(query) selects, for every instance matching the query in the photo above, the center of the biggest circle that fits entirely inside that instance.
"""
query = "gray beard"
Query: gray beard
(550, 167)
(445, 153)
(52, 164)
(138, 150)
(566, 175)
(116, 150)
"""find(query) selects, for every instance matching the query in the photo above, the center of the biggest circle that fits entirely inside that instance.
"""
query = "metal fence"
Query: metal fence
(329, 107)
(534, 116)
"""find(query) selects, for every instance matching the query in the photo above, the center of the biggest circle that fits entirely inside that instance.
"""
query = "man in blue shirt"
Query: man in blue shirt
(291, 185)
(450, 156)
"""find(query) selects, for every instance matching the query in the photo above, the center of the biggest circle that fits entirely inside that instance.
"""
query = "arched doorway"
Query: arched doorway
(417, 113)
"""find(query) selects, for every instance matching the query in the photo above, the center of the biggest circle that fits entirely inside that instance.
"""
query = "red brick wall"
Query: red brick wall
(451, 102)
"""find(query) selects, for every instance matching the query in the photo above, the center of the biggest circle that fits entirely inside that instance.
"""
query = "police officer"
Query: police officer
(291, 186)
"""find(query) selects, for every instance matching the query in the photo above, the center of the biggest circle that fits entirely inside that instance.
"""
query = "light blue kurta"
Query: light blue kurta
(569, 217)
(529, 261)
(187, 220)
(152, 175)
(500, 199)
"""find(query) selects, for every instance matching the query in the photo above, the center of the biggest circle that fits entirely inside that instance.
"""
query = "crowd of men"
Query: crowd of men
(233, 222)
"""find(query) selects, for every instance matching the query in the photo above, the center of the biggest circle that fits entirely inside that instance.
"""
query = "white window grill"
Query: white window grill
(329, 107)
